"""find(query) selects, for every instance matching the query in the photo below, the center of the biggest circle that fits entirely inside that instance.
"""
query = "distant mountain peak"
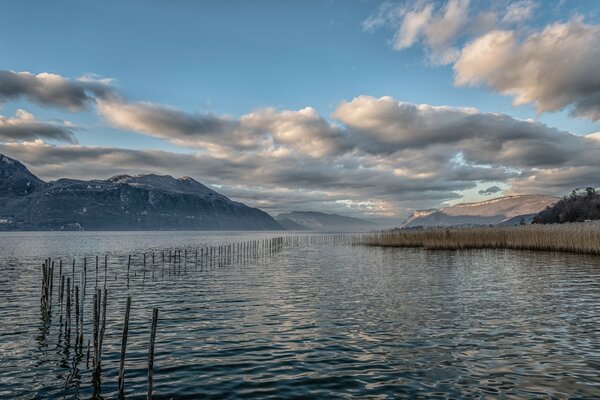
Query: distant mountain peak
(118, 178)
(492, 211)
(6, 160)
(16, 179)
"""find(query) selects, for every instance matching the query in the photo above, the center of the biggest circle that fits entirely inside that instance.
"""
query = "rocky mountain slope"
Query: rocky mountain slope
(317, 221)
(143, 202)
(503, 210)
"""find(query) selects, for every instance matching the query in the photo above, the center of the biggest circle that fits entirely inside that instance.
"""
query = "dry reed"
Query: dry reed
(571, 237)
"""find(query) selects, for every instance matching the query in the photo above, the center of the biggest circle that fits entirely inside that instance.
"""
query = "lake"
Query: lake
(310, 320)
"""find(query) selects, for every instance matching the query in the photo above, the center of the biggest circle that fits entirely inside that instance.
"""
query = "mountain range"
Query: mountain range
(508, 210)
(161, 202)
(142, 202)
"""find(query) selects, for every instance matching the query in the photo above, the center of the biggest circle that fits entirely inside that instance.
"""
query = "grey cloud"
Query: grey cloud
(385, 126)
(50, 89)
(24, 127)
(557, 181)
(168, 123)
(489, 191)
(276, 184)
(304, 130)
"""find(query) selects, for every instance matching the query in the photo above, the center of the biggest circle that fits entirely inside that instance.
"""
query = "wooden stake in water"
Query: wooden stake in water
(68, 319)
(151, 351)
(87, 362)
(96, 285)
(105, 269)
(128, 265)
(124, 349)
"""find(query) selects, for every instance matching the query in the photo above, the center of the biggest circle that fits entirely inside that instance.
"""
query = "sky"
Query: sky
(362, 108)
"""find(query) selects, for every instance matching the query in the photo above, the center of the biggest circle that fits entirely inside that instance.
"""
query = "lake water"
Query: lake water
(312, 321)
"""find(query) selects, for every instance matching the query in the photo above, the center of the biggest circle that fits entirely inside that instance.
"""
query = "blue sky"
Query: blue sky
(232, 58)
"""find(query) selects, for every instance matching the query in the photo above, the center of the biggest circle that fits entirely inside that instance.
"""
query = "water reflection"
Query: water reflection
(334, 321)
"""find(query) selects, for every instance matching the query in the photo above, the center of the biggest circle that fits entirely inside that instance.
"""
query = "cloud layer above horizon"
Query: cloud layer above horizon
(374, 157)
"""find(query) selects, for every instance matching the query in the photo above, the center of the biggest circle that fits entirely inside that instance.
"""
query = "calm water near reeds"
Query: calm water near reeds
(312, 321)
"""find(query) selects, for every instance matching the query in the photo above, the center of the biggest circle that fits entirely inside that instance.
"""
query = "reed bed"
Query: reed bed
(582, 237)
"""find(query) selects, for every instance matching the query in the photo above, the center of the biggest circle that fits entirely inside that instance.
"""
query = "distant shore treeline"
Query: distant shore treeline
(579, 206)
(569, 237)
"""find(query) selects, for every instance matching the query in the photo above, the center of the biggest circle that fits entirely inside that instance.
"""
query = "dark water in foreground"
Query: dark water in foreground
(316, 321)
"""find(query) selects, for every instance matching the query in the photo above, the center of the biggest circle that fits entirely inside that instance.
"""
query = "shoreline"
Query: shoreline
(577, 237)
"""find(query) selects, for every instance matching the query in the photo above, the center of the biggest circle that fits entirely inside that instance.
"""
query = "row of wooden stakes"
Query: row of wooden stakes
(71, 296)
(98, 324)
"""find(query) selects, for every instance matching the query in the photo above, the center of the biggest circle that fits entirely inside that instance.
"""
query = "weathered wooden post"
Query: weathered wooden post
(124, 349)
(151, 351)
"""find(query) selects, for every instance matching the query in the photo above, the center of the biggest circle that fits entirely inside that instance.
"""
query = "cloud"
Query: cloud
(24, 127)
(195, 130)
(304, 130)
(489, 191)
(268, 130)
(275, 184)
(376, 155)
(436, 25)
(51, 89)
(519, 11)
(385, 126)
(553, 69)
(370, 157)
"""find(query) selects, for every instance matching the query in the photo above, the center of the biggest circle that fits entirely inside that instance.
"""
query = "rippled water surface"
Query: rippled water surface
(313, 321)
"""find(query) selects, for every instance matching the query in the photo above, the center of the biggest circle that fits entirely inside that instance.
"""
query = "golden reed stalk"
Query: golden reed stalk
(580, 237)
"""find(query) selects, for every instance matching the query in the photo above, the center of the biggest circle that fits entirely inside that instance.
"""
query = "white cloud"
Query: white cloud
(519, 11)
(413, 25)
(438, 26)
(553, 69)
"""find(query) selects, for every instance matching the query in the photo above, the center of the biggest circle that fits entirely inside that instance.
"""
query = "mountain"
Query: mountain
(509, 210)
(16, 180)
(317, 221)
(142, 202)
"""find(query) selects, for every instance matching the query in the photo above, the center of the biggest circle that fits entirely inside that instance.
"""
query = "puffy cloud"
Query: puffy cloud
(24, 127)
(51, 89)
(553, 69)
(385, 126)
(303, 131)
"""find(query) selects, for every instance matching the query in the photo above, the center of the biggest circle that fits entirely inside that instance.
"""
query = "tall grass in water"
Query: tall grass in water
(571, 237)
